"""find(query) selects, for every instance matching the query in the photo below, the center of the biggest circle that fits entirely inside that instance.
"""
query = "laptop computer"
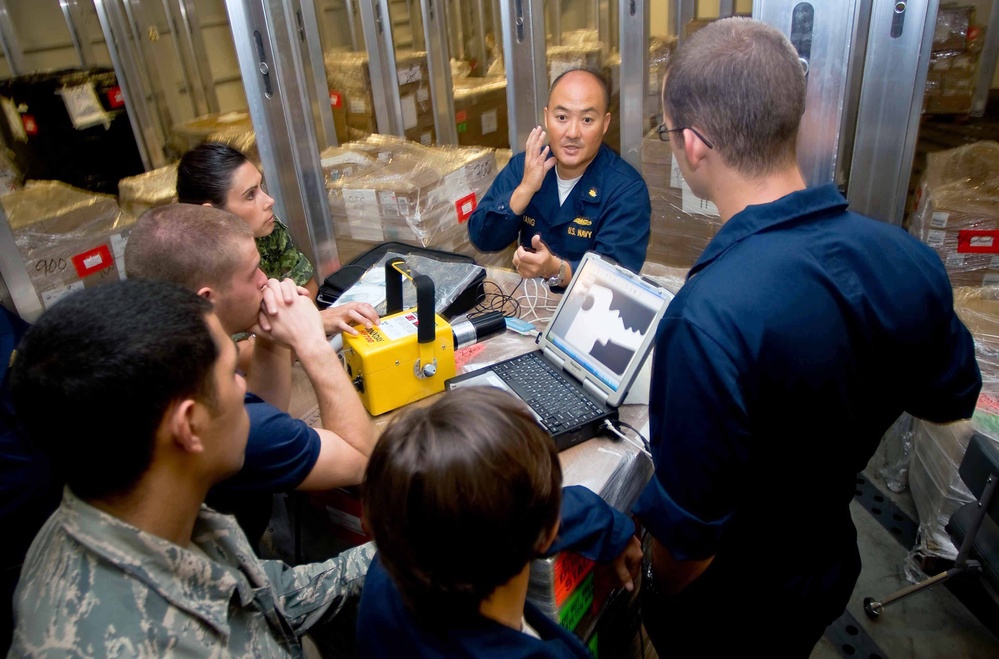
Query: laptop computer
(591, 351)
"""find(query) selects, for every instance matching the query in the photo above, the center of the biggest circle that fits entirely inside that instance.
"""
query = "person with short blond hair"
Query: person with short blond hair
(212, 252)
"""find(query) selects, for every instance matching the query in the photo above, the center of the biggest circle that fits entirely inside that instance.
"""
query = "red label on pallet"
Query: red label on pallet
(115, 98)
(460, 116)
(30, 125)
(465, 207)
(94, 260)
(336, 100)
(970, 241)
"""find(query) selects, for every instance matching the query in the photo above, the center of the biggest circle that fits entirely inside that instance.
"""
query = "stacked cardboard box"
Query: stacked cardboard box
(660, 49)
(67, 238)
(579, 49)
(682, 224)
(386, 188)
(349, 81)
(957, 212)
(950, 81)
(934, 479)
(229, 127)
(480, 112)
(137, 194)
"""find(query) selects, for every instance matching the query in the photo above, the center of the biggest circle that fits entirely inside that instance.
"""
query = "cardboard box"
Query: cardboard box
(951, 30)
(68, 239)
(681, 225)
(189, 134)
(404, 191)
(137, 194)
(349, 80)
(480, 112)
(957, 212)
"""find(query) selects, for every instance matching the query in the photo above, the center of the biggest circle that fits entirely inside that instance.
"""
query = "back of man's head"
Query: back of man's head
(94, 377)
(740, 82)
(191, 245)
(459, 497)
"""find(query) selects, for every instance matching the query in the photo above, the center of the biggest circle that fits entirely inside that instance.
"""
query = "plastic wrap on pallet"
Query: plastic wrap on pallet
(682, 224)
(68, 238)
(349, 80)
(137, 194)
(957, 212)
(896, 453)
(660, 50)
(978, 308)
(951, 29)
(579, 49)
(936, 486)
(189, 134)
(244, 141)
(406, 192)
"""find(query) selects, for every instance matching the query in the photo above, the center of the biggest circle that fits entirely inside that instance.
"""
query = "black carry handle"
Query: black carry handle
(393, 286)
(426, 322)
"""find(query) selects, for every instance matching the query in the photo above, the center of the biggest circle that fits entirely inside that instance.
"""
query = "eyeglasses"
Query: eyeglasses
(664, 134)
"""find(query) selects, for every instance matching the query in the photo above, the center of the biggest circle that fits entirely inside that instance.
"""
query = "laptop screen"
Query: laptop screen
(605, 318)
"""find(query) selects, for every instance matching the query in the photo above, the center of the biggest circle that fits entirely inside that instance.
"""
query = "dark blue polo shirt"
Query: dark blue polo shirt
(801, 333)
(386, 628)
(607, 211)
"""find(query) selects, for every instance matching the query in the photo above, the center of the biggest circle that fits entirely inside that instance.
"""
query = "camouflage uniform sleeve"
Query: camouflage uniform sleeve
(280, 258)
(319, 592)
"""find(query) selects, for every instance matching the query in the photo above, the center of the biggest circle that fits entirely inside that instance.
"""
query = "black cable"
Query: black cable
(633, 429)
(495, 299)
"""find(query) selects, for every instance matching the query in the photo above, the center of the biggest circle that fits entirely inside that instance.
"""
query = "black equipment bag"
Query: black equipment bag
(347, 275)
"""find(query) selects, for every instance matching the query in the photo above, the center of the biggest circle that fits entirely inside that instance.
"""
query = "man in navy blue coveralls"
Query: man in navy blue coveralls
(801, 334)
(571, 196)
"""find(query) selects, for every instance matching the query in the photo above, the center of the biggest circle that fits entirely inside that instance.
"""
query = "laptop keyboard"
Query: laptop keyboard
(560, 405)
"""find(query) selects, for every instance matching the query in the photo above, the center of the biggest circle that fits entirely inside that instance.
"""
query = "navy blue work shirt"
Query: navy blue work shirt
(386, 628)
(607, 211)
(801, 334)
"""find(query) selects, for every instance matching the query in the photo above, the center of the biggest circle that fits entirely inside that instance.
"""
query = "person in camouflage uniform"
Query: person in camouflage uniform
(132, 564)
(218, 175)
(280, 259)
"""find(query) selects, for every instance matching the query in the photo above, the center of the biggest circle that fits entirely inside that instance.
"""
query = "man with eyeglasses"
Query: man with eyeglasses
(803, 331)
(569, 196)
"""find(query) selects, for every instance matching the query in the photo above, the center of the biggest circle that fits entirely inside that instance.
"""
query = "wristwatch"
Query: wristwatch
(558, 279)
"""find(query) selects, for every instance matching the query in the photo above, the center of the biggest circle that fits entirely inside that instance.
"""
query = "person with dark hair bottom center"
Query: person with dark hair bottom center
(458, 510)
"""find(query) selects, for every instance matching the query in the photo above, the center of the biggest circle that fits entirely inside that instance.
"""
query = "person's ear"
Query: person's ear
(694, 148)
(208, 293)
(607, 120)
(184, 425)
(546, 118)
(209, 204)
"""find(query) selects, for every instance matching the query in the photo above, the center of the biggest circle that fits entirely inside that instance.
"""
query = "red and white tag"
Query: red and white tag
(91, 261)
(336, 100)
(115, 98)
(465, 207)
(30, 125)
(971, 241)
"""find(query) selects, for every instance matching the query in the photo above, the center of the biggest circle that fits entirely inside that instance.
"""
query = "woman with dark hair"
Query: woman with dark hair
(218, 175)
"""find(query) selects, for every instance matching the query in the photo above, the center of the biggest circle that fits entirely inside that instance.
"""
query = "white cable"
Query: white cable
(610, 426)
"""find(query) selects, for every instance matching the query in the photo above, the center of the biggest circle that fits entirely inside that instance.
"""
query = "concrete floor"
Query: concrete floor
(930, 624)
